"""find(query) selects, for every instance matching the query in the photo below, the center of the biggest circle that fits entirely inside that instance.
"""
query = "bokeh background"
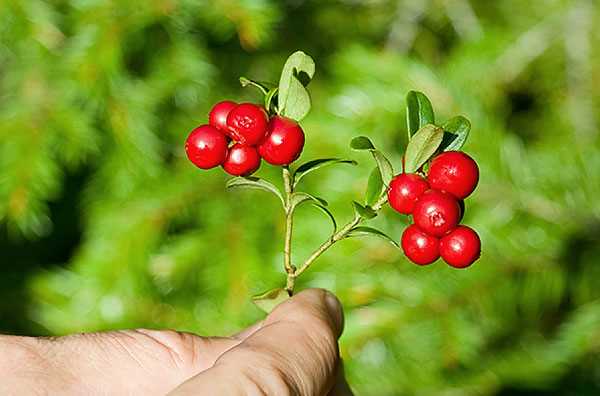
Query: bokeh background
(104, 224)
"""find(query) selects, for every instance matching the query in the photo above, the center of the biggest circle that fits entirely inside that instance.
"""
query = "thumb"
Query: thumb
(295, 352)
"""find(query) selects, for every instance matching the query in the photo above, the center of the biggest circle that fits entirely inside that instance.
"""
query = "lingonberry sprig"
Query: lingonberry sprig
(436, 177)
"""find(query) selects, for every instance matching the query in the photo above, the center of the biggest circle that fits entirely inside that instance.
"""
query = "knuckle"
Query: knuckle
(179, 348)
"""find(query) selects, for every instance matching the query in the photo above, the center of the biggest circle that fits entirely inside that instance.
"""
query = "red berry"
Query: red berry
(436, 212)
(461, 247)
(454, 172)
(242, 160)
(247, 124)
(206, 147)
(284, 141)
(420, 247)
(405, 190)
(218, 115)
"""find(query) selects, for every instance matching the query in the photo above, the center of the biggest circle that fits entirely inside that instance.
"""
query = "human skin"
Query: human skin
(294, 351)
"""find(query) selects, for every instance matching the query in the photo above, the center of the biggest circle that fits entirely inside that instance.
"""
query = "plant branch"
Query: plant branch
(337, 236)
(289, 222)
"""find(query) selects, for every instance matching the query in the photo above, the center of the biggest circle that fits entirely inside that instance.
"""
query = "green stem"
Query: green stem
(289, 223)
(337, 236)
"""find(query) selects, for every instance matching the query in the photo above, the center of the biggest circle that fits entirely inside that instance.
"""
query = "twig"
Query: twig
(337, 236)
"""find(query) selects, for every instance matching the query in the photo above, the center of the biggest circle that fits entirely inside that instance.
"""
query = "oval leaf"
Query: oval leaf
(299, 197)
(255, 182)
(374, 187)
(267, 301)
(384, 165)
(361, 143)
(370, 231)
(422, 146)
(419, 112)
(456, 132)
(294, 100)
(313, 165)
(328, 213)
(366, 212)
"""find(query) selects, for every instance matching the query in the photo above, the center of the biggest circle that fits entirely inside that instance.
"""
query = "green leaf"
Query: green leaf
(299, 197)
(255, 182)
(384, 165)
(294, 99)
(456, 132)
(267, 301)
(419, 112)
(271, 100)
(370, 231)
(361, 143)
(263, 87)
(375, 187)
(422, 146)
(313, 165)
(366, 212)
(328, 213)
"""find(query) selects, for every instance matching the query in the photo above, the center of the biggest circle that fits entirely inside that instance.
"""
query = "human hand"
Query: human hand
(294, 351)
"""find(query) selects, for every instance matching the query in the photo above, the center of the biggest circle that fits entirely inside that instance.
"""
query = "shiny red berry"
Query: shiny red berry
(436, 212)
(241, 160)
(283, 143)
(206, 147)
(247, 124)
(405, 190)
(420, 247)
(218, 115)
(454, 172)
(461, 247)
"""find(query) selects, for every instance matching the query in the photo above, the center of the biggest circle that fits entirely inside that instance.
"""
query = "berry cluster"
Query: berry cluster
(436, 204)
(436, 176)
(239, 135)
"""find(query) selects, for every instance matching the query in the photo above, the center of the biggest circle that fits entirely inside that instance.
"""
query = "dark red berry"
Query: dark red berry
(283, 143)
(454, 172)
(420, 247)
(247, 124)
(461, 247)
(241, 160)
(218, 115)
(206, 147)
(405, 190)
(436, 212)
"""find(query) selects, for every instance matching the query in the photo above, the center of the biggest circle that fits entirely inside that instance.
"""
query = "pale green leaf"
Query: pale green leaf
(422, 146)
(375, 187)
(269, 300)
(361, 143)
(366, 212)
(257, 183)
(313, 165)
(361, 231)
(293, 99)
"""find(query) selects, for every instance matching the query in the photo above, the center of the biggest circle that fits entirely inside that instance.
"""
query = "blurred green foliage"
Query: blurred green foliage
(104, 224)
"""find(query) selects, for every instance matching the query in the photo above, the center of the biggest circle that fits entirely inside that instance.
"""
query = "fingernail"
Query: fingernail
(334, 307)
